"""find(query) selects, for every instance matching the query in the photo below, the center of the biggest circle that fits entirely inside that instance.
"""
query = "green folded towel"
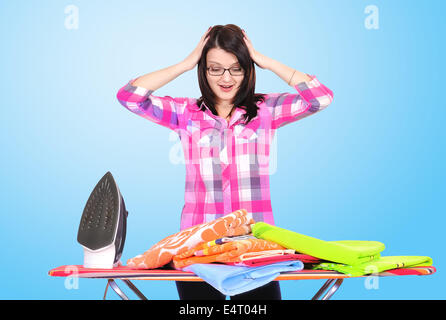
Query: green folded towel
(376, 266)
(349, 252)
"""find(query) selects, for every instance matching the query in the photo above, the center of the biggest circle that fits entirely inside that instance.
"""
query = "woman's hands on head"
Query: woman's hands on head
(191, 61)
(259, 59)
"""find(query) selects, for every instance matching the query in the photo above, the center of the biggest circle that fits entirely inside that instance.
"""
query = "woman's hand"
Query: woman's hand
(191, 61)
(260, 60)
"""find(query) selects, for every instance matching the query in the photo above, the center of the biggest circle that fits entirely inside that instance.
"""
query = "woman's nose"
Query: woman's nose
(226, 75)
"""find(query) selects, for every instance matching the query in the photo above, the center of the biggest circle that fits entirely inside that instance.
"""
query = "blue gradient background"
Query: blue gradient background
(370, 167)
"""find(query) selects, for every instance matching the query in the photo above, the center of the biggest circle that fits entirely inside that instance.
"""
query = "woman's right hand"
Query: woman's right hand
(191, 61)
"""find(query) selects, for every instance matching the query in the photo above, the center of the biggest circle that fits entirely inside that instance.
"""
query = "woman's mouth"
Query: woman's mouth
(226, 88)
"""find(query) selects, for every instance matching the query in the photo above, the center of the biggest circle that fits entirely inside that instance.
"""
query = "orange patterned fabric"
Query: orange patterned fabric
(233, 224)
(226, 252)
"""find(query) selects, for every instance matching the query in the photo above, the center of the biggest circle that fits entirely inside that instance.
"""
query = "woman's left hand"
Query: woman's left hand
(259, 59)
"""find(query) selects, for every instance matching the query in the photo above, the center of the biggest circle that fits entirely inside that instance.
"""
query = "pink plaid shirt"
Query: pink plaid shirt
(227, 163)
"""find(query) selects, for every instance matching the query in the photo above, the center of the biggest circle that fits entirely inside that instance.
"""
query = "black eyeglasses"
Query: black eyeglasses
(219, 71)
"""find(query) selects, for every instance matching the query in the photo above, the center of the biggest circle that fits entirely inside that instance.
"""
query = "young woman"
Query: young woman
(227, 132)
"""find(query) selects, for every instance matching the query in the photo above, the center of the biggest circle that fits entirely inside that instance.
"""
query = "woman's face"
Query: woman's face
(216, 59)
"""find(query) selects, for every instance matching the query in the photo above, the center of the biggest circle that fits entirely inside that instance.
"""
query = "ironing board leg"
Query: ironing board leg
(135, 289)
(114, 286)
(331, 291)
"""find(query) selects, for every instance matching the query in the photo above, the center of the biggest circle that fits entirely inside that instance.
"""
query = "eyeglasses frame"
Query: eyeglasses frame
(224, 70)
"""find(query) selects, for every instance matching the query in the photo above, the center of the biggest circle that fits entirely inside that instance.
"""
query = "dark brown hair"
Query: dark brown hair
(230, 38)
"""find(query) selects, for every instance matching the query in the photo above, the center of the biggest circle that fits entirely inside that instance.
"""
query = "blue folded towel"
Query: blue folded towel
(232, 280)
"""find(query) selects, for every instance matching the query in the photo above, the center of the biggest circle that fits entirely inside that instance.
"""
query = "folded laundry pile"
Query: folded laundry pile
(236, 254)
(351, 257)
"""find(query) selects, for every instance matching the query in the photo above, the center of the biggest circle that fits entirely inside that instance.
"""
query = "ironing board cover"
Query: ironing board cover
(124, 272)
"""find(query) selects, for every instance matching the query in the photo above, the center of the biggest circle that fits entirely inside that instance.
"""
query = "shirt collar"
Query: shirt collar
(237, 116)
(238, 112)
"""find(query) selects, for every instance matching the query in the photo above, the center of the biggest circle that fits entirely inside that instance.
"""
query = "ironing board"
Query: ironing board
(125, 274)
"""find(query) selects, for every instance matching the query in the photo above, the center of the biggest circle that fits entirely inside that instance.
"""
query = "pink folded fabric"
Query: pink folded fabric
(256, 259)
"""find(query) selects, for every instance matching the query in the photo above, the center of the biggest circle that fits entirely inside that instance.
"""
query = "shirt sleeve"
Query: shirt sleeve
(162, 110)
(286, 108)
